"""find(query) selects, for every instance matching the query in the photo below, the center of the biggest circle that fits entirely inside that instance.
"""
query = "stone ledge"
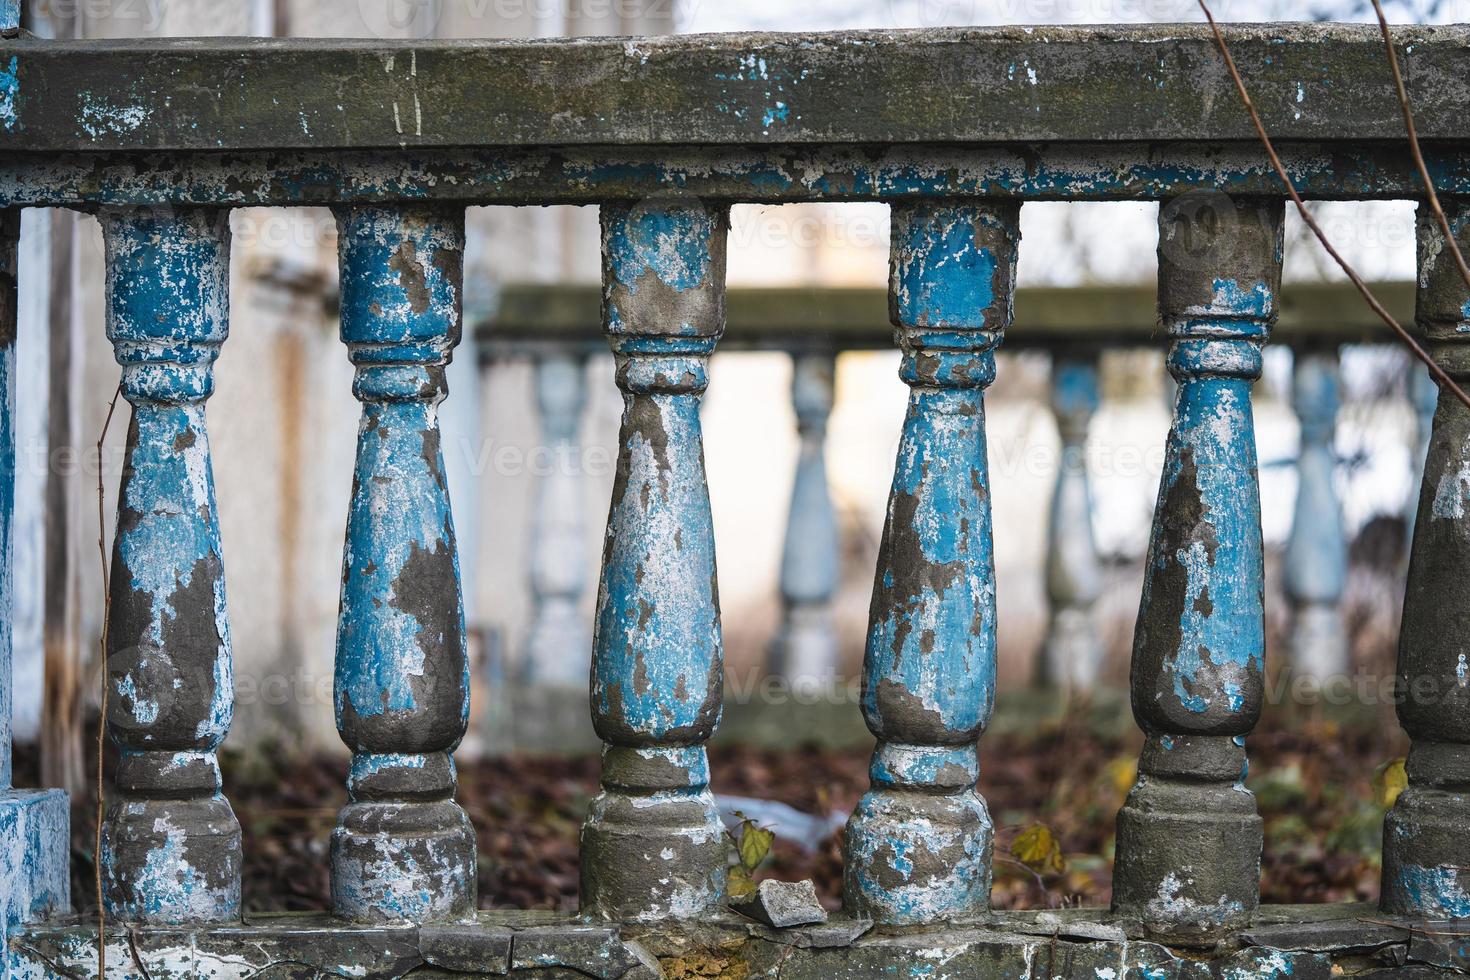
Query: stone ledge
(1300, 942)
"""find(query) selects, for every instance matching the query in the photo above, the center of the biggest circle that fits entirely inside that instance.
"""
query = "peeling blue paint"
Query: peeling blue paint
(664, 242)
(1211, 458)
(9, 91)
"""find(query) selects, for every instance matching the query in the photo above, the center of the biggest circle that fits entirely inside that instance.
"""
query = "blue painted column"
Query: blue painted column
(403, 850)
(35, 862)
(805, 651)
(653, 846)
(1426, 847)
(1316, 553)
(171, 844)
(919, 843)
(1073, 652)
(1189, 838)
(559, 646)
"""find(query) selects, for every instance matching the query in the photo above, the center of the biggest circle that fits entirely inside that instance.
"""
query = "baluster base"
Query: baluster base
(1426, 850)
(1189, 841)
(171, 862)
(653, 846)
(914, 857)
(1426, 855)
(403, 862)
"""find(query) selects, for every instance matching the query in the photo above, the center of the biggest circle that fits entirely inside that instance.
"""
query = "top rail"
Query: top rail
(1326, 83)
(1143, 112)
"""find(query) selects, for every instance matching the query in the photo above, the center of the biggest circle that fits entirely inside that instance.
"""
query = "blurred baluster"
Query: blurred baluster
(1316, 553)
(35, 878)
(805, 651)
(1073, 652)
(653, 846)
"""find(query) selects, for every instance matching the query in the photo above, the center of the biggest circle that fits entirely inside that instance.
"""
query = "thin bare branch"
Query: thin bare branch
(1437, 372)
(102, 712)
(1403, 93)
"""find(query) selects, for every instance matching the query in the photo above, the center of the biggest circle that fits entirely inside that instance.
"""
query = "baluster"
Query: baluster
(805, 651)
(653, 846)
(1072, 655)
(559, 647)
(1426, 850)
(34, 867)
(919, 843)
(1316, 554)
(1189, 837)
(403, 850)
(171, 844)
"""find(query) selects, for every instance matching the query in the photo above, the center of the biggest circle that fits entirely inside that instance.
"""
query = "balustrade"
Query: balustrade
(805, 650)
(685, 133)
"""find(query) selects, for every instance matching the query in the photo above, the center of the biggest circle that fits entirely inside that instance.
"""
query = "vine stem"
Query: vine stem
(102, 710)
(1438, 373)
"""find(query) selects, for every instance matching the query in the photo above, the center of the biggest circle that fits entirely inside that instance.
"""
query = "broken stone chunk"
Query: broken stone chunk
(782, 904)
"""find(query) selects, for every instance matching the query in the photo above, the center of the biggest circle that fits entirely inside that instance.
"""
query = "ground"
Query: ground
(1314, 779)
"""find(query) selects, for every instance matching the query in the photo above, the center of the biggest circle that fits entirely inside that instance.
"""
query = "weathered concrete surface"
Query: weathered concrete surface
(170, 843)
(1189, 838)
(1426, 849)
(1296, 942)
(403, 849)
(1000, 84)
(775, 174)
(919, 842)
(653, 846)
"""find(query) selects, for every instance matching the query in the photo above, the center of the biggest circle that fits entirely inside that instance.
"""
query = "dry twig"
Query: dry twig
(102, 711)
(1443, 379)
(1403, 94)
